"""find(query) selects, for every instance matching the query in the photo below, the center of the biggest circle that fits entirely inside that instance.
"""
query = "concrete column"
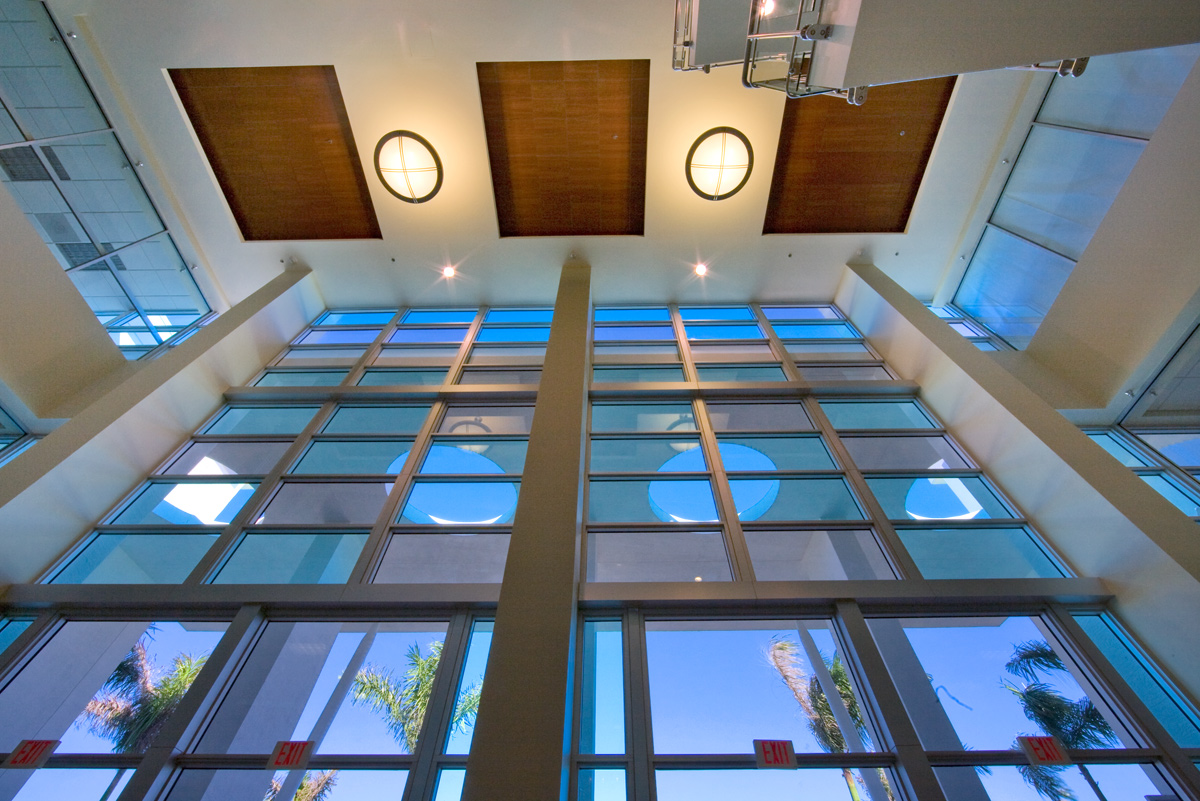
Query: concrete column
(522, 731)
(1098, 515)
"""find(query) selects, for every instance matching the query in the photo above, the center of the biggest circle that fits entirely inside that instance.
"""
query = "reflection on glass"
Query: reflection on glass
(740, 372)
(461, 503)
(227, 458)
(669, 417)
(114, 558)
(1181, 448)
(444, 558)
(758, 417)
(639, 374)
(377, 420)
(426, 335)
(346, 336)
(301, 378)
(951, 498)
(803, 555)
(602, 705)
(977, 553)
(387, 378)
(10, 629)
(337, 503)
(475, 456)
(644, 501)
(473, 421)
(826, 784)
(186, 504)
(292, 559)
(602, 784)
(657, 556)
(262, 420)
(645, 454)
(356, 318)
(470, 685)
(875, 414)
(903, 453)
(783, 453)
(78, 784)
(352, 457)
(1009, 783)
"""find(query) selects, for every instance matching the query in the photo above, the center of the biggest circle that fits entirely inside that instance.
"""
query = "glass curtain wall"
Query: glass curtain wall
(63, 164)
(1080, 149)
(781, 542)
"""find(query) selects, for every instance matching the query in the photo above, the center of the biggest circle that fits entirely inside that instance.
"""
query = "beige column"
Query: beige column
(521, 733)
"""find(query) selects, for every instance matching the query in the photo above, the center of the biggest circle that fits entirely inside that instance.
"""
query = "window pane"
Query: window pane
(450, 784)
(377, 420)
(978, 682)
(800, 313)
(875, 414)
(953, 498)
(514, 334)
(475, 456)
(475, 376)
(470, 684)
(1165, 702)
(647, 315)
(827, 784)
(1167, 488)
(427, 316)
(263, 420)
(320, 357)
(339, 503)
(1183, 449)
(228, 458)
(774, 453)
(716, 686)
(740, 372)
(602, 784)
(657, 556)
(1117, 449)
(977, 553)
(387, 378)
(634, 501)
(301, 378)
(637, 374)
(356, 318)
(519, 316)
(793, 499)
(689, 313)
(292, 559)
(846, 372)
(758, 417)
(808, 350)
(136, 559)
(428, 335)
(670, 417)
(602, 705)
(352, 457)
(10, 629)
(733, 331)
(461, 503)
(816, 555)
(507, 354)
(443, 559)
(344, 336)
(1008, 783)
(186, 504)
(605, 351)
(615, 333)
(645, 455)
(129, 662)
(412, 356)
(78, 784)
(903, 453)
(815, 331)
(476, 420)
(291, 680)
(339, 784)
(748, 351)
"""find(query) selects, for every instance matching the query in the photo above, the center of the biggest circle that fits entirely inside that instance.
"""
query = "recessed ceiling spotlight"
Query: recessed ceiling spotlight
(719, 163)
(408, 166)
(448, 272)
(701, 269)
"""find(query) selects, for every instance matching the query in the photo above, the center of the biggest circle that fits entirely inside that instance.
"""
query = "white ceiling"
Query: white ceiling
(412, 65)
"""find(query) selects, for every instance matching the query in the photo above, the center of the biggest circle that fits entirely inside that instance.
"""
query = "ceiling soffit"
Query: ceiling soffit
(278, 140)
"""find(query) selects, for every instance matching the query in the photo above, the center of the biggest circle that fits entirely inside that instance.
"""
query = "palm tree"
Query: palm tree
(314, 786)
(806, 689)
(134, 703)
(403, 701)
(1077, 724)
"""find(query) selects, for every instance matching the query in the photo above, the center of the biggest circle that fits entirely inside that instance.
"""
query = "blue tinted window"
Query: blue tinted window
(945, 312)
(740, 372)
(426, 316)
(801, 313)
(292, 559)
(966, 329)
(10, 630)
(689, 313)
(428, 335)
(340, 336)
(475, 456)
(356, 318)
(875, 414)
(1167, 488)
(657, 314)
(115, 558)
(637, 374)
(647, 501)
(1117, 449)
(937, 498)
(815, 331)
(519, 316)
(387, 378)
(612, 333)
(669, 417)
(734, 331)
(198, 503)
(461, 503)
(793, 499)
(977, 553)
(354, 457)
(515, 334)
(301, 378)
(264, 420)
(1181, 448)
(377, 420)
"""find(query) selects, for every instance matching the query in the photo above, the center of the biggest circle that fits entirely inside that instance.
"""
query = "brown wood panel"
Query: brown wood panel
(567, 143)
(280, 144)
(848, 169)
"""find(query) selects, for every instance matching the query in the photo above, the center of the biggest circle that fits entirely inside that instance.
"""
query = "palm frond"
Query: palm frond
(1031, 656)
(1046, 781)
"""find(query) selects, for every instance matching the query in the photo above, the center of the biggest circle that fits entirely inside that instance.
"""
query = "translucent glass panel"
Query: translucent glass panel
(816, 331)
(450, 558)
(94, 660)
(716, 686)
(320, 357)
(342, 336)
(778, 313)
(281, 558)
(634, 315)
(473, 375)
(341, 684)
(1170, 489)
(602, 705)
(793, 499)
(813, 555)
(10, 629)
(513, 334)
(719, 331)
(978, 553)
(714, 313)
(978, 682)
(828, 784)
(377, 420)
(936, 498)
(849, 415)
(433, 316)
(194, 503)
(846, 372)
(657, 556)
(616, 333)
(356, 317)
(507, 354)
(227, 458)
(136, 558)
(407, 335)
(262, 420)
(410, 355)
(350, 457)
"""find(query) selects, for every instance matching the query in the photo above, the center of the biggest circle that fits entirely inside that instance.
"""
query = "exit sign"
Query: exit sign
(291, 754)
(30, 754)
(775, 753)
(1044, 750)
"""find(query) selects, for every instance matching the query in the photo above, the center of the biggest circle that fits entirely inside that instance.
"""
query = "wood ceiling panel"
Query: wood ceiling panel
(849, 169)
(567, 143)
(279, 141)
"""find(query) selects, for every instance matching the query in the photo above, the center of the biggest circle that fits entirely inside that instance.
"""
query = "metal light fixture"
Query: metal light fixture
(719, 163)
(408, 166)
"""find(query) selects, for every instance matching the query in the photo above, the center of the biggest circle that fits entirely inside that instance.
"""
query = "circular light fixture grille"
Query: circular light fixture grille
(408, 166)
(719, 163)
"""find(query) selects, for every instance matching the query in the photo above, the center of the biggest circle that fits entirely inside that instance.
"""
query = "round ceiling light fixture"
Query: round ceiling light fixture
(408, 166)
(719, 163)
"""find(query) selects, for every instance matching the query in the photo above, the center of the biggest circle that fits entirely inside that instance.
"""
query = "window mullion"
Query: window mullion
(639, 737)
